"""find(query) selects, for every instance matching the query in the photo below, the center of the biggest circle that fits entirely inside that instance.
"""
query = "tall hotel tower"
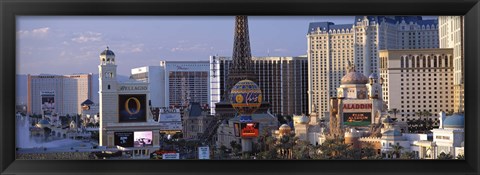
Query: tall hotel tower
(331, 46)
(451, 36)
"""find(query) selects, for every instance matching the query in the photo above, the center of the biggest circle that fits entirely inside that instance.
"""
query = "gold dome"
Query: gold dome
(284, 129)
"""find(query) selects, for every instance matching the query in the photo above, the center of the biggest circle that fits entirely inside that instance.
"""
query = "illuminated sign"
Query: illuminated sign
(171, 156)
(249, 130)
(124, 139)
(48, 102)
(142, 138)
(133, 88)
(204, 152)
(357, 119)
(181, 68)
(132, 108)
(357, 106)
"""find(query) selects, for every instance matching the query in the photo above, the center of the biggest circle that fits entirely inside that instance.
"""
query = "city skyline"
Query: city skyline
(68, 45)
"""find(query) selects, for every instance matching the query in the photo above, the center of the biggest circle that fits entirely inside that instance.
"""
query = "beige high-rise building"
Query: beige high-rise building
(331, 46)
(451, 36)
(417, 80)
(63, 93)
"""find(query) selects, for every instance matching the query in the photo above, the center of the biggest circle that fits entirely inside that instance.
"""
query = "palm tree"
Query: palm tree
(397, 150)
(423, 123)
(461, 157)
(444, 156)
(407, 155)
(394, 111)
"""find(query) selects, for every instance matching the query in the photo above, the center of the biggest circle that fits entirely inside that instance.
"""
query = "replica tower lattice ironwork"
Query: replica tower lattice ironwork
(242, 66)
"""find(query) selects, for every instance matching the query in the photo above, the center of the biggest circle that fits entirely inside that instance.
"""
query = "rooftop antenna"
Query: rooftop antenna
(268, 52)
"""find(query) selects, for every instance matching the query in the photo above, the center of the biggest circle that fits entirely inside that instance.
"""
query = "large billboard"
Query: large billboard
(357, 119)
(48, 102)
(124, 139)
(132, 108)
(204, 152)
(248, 130)
(142, 138)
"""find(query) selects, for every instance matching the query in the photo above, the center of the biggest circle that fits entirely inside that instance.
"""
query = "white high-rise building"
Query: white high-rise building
(154, 76)
(331, 46)
(451, 36)
(64, 92)
(417, 80)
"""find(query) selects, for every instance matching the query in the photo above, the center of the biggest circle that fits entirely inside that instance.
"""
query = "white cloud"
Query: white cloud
(87, 37)
(196, 47)
(38, 32)
(280, 50)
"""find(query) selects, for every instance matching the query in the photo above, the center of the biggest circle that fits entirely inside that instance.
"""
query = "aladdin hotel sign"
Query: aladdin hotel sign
(357, 113)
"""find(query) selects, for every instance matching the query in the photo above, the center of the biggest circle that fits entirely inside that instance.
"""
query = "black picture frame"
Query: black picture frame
(11, 8)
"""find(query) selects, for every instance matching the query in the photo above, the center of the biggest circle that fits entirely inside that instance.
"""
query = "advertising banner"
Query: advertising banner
(204, 152)
(236, 129)
(357, 119)
(48, 102)
(142, 138)
(171, 156)
(249, 130)
(132, 108)
(123, 139)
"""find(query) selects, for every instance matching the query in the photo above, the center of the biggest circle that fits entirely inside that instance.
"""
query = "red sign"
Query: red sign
(249, 130)
(357, 106)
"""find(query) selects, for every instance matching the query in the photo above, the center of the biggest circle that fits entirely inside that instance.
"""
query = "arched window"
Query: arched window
(406, 62)
(417, 59)
(108, 87)
(446, 61)
(402, 62)
(429, 61)
(435, 61)
(424, 60)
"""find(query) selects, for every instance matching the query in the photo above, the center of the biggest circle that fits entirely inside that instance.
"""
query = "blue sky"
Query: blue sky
(71, 44)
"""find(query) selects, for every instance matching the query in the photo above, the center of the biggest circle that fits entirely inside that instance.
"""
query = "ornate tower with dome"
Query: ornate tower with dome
(125, 116)
(358, 104)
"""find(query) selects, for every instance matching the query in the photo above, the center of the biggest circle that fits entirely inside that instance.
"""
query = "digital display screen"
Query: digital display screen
(132, 108)
(357, 119)
(124, 139)
(249, 130)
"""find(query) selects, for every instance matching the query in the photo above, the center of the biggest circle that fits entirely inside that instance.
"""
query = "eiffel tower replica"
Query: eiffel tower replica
(241, 68)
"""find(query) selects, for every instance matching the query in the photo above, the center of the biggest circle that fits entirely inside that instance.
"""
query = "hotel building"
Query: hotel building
(331, 46)
(417, 80)
(451, 36)
(66, 92)
(126, 121)
(283, 81)
(176, 83)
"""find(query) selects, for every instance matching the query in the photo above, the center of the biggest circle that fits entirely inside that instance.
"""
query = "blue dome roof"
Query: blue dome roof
(373, 75)
(454, 121)
(43, 122)
(107, 52)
